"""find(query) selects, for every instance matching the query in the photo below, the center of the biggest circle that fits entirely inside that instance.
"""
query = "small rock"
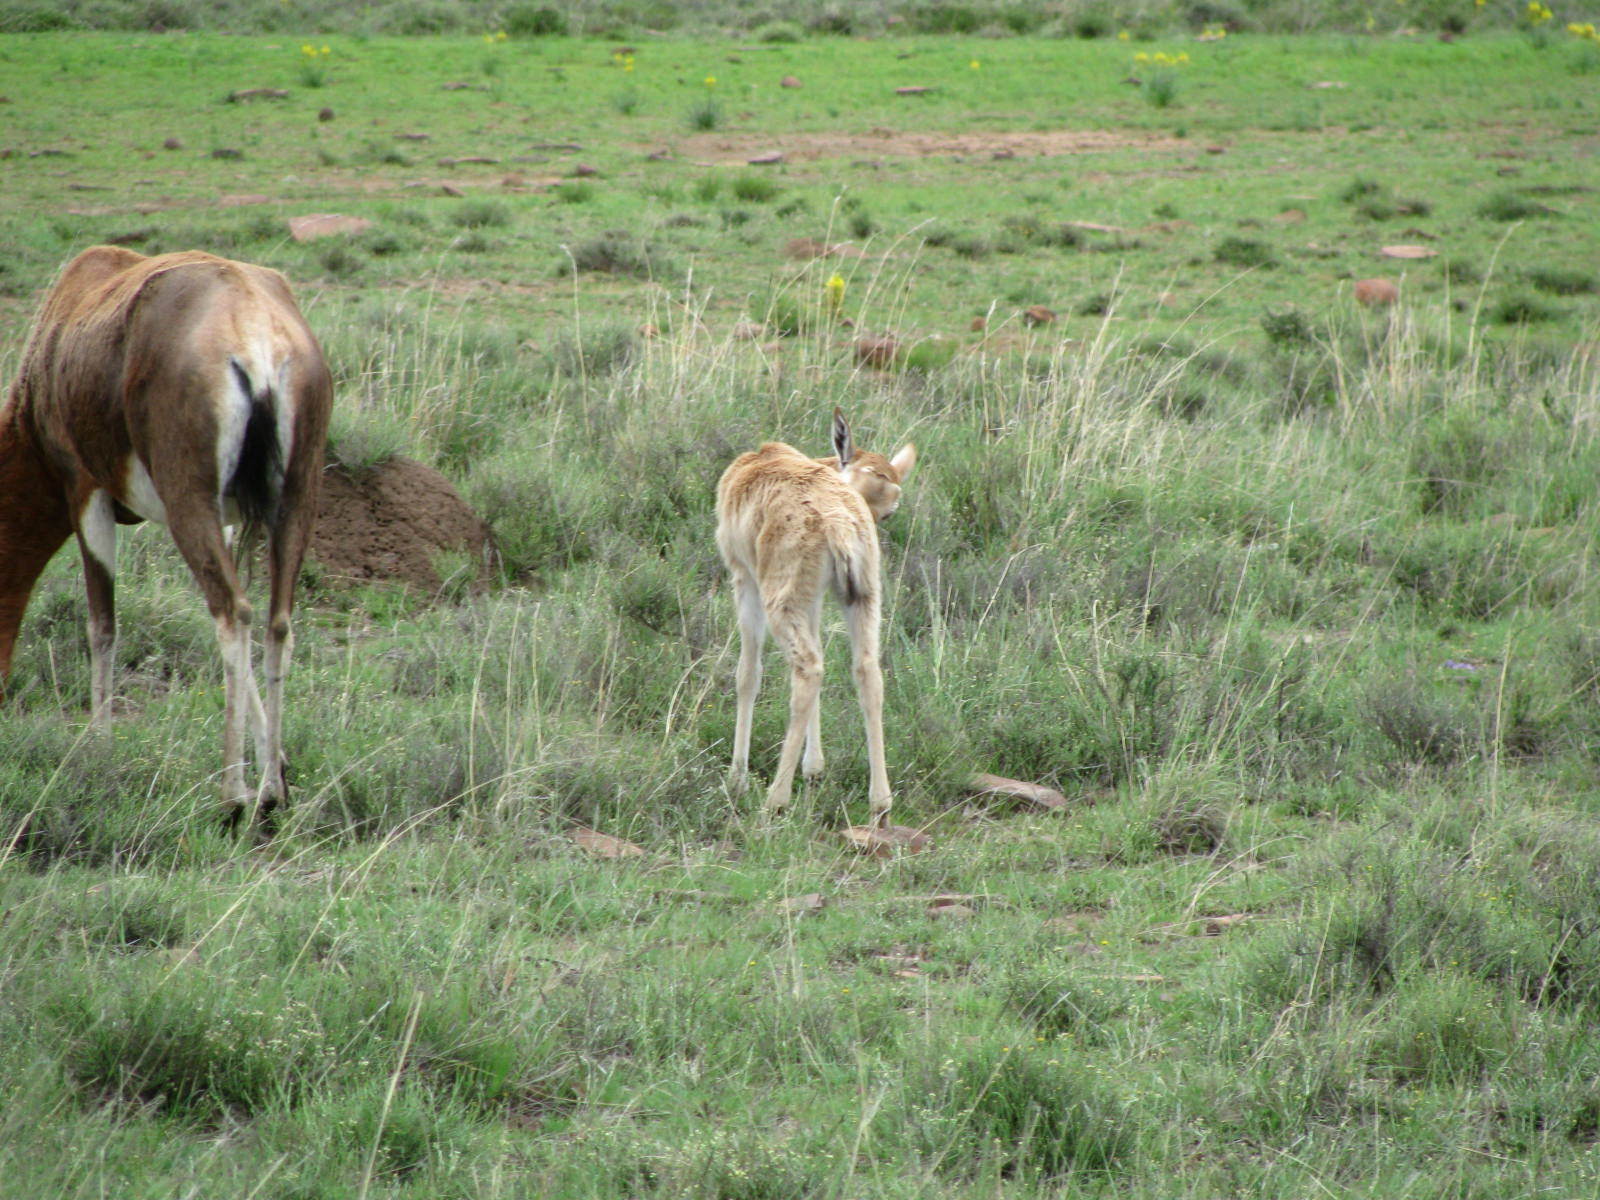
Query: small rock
(227, 152)
(325, 114)
(1216, 149)
(766, 160)
(1376, 293)
(450, 189)
(789, 81)
(412, 137)
(1004, 153)
(584, 171)
(979, 324)
(321, 225)
(1037, 314)
(912, 91)
(1407, 252)
(172, 143)
(883, 841)
(876, 351)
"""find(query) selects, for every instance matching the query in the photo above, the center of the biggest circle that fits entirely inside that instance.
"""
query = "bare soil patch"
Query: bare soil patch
(894, 143)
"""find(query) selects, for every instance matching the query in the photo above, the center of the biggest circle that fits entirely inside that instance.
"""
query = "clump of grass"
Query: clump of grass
(1563, 281)
(1030, 1108)
(707, 188)
(597, 349)
(617, 252)
(1160, 89)
(574, 191)
(1513, 206)
(340, 261)
(481, 214)
(534, 20)
(1360, 188)
(626, 102)
(1287, 328)
(779, 32)
(757, 189)
(704, 114)
(1522, 309)
(1245, 253)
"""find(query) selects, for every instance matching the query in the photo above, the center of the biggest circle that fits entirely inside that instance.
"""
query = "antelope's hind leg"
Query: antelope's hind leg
(862, 618)
(97, 540)
(791, 629)
(752, 636)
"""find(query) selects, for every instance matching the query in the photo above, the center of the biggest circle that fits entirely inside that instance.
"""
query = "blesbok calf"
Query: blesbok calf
(185, 389)
(790, 528)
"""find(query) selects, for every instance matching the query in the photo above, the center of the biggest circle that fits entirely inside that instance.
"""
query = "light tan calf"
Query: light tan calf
(789, 528)
(185, 389)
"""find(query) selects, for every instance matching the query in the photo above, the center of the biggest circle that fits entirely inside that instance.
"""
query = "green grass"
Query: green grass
(1294, 600)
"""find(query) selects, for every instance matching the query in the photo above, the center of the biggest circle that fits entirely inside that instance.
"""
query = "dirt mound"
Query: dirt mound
(394, 523)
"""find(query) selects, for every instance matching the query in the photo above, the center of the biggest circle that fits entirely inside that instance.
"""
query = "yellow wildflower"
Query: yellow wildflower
(710, 81)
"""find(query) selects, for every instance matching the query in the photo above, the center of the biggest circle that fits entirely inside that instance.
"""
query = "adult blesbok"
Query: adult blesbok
(790, 528)
(181, 388)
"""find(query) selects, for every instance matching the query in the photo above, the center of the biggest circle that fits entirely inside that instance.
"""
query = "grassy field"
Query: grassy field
(1297, 601)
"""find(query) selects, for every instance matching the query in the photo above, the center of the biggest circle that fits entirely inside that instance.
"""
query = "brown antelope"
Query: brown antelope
(789, 528)
(185, 389)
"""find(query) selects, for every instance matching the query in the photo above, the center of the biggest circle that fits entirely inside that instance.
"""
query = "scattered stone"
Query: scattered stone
(320, 225)
(227, 152)
(258, 93)
(882, 842)
(244, 199)
(172, 143)
(1003, 154)
(1036, 794)
(1216, 149)
(1324, 84)
(1376, 293)
(912, 91)
(471, 160)
(49, 152)
(1096, 227)
(1407, 252)
(1036, 315)
(766, 160)
(603, 845)
(413, 137)
(979, 324)
(950, 909)
(584, 171)
(877, 352)
(789, 81)
(658, 156)
(800, 905)
(324, 114)
(450, 189)
(458, 86)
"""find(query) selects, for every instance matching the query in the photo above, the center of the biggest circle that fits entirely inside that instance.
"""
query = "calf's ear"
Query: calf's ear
(841, 438)
(904, 459)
